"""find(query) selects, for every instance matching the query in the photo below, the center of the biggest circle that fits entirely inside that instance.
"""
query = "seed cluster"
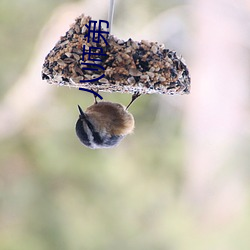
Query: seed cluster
(130, 66)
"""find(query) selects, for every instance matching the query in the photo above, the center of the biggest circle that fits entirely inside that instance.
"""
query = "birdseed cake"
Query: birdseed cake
(129, 66)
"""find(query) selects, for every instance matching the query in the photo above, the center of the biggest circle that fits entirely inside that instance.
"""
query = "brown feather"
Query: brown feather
(111, 117)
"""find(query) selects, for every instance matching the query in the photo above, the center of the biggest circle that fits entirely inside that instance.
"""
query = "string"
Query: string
(111, 14)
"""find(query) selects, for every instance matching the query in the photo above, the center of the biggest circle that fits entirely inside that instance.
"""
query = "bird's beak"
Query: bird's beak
(81, 112)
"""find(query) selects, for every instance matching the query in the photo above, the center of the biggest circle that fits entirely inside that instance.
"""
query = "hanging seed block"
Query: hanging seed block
(129, 66)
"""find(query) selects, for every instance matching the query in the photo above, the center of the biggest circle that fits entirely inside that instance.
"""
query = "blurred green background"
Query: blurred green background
(181, 181)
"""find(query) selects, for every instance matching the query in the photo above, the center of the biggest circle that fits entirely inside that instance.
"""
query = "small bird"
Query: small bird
(104, 124)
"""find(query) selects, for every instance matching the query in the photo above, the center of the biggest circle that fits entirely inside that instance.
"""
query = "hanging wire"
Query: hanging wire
(111, 14)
